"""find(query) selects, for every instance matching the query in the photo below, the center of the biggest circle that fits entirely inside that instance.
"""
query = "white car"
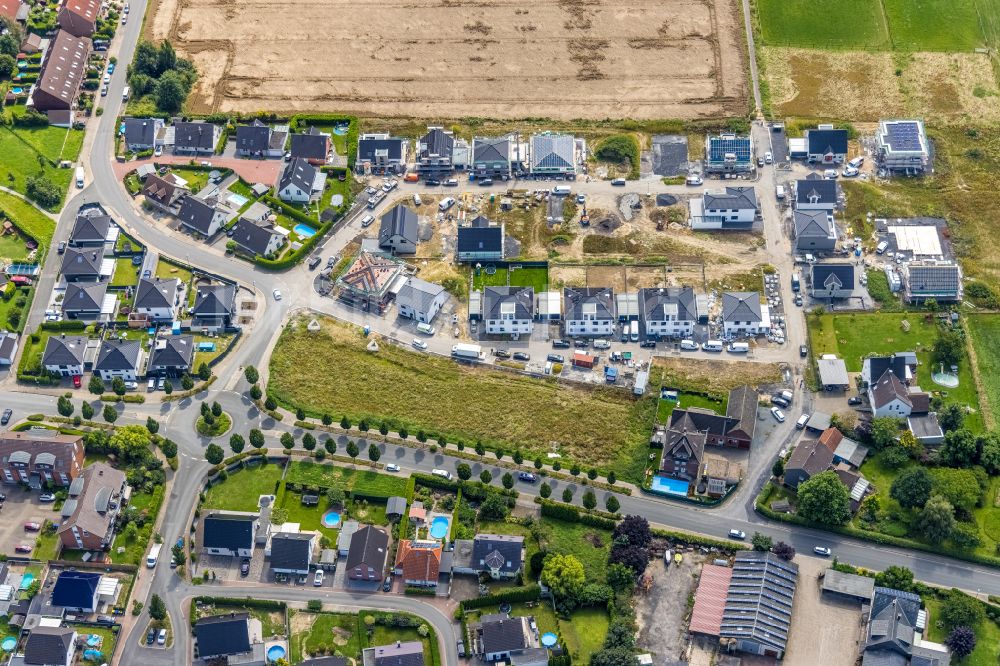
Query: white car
(849, 172)
(161, 638)
(318, 578)
(778, 415)
(107, 78)
(158, 151)
(822, 550)
(392, 467)
(419, 344)
(737, 534)
(277, 294)
(768, 158)
(856, 162)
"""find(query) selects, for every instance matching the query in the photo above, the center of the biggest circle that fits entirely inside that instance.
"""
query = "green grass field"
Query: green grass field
(359, 480)
(987, 637)
(242, 489)
(26, 217)
(348, 640)
(196, 178)
(29, 151)
(126, 274)
(686, 400)
(985, 333)
(597, 426)
(934, 25)
(166, 269)
(854, 336)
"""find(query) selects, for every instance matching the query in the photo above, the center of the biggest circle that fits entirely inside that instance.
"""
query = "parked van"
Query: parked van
(712, 345)
(367, 220)
(443, 473)
(618, 182)
(787, 395)
(417, 201)
(689, 345)
(779, 192)
(151, 384)
(882, 247)
(451, 182)
(154, 554)
(633, 331)
(562, 190)
(411, 178)
(738, 347)
(446, 203)
(602, 344)
(801, 423)
(796, 284)
(79, 177)
(426, 329)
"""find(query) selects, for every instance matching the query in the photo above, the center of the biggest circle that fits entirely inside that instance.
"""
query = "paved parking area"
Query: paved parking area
(228, 568)
(20, 507)
(824, 631)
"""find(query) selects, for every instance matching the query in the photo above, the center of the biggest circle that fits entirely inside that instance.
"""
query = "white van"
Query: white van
(882, 247)
(154, 555)
(689, 345)
(801, 423)
(602, 344)
(633, 331)
(738, 348)
(446, 203)
(125, 94)
(426, 329)
(367, 220)
(417, 201)
(79, 177)
(712, 345)
(779, 191)
(562, 190)
(443, 473)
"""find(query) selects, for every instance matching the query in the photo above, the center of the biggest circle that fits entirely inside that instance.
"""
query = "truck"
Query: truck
(154, 555)
(79, 177)
(633, 331)
(466, 352)
(796, 285)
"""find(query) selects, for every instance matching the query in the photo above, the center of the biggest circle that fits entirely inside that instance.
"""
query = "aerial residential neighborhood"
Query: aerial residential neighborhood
(513, 334)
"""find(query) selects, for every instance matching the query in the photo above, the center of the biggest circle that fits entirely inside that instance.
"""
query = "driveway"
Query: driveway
(252, 171)
(21, 506)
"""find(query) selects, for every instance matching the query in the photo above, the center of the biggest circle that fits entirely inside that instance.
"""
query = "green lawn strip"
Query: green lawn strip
(107, 638)
(933, 25)
(984, 331)
(535, 277)
(987, 637)
(321, 639)
(46, 545)
(11, 305)
(807, 23)
(27, 218)
(222, 343)
(366, 481)
(196, 179)
(126, 273)
(242, 489)
(241, 188)
(168, 269)
(483, 279)
(442, 397)
(688, 400)
(334, 186)
(12, 247)
(54, 143)
(135, 550)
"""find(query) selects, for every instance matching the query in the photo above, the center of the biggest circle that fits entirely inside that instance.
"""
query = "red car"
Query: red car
(77, 381)
(23, 548)
(32, 527)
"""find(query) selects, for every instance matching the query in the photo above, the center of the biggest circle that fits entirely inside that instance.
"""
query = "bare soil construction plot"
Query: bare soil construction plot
(560, 59)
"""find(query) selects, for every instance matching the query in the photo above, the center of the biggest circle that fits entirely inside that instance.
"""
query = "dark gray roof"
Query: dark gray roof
(48, 645)
(325, 661)
(677, 302)
(197, 214)
(214, 300)
(369, 546)
(739, 198)
(191, 135)
(813, 224)
(118, 355)
(759, 601)
(82, 263)
(497, 551)
(222, 635)
(398, 221)
(887, 388)
(822, 141)
(878, 365)
(64, 351)
(291, 550)
(418, 293)
(578, 300)
(410, 653)
(311, 145)
(228, 531)
(934, 278)
(741, 306)
(253, 138)
(495, 299)
(84, 296)
(140, 131)
(503, 634)
(480, 239)
(437, 143)
(552, 151)
(298, 173)
(486, 149)
(367, 147)
(816, 191)
(253, 236)
(175, 351)
(395, 506)
(832, 276)
(893, 621)
(90, 228)
(156, 293)
(75, 589)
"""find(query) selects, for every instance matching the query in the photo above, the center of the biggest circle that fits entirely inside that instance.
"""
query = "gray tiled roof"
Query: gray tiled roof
(252, 236)
(822, 141)
(311, 145)
(118, 355)
(223, 635)
(741, 306)
(832, 276)
(140, 131)
(480, 239)
(156, 293)
(369, 146)
(64, 350)
(887, 388)
(813, 224)
(523, 299)
(253, 138)
(175, 351)
(437, 143)
(228, 531)
(503, 634)
(552, 151)
(197, 214)
(192, 135)
(490, 149)
(90, 228)
(739, 198)
(214, 300)
(410, 653)
(497, 551)
(816, 191)
(82, 263)
(84, 296)
(291, 551)
(398, 221)
(679, 302)
(298, 173)
(577, 300)
(48, 645)
(419, 293)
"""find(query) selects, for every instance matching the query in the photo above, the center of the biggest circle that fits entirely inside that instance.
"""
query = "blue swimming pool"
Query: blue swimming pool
(668, 486)
(237, 199)
(275, 652)
(549, 639)
(26, 581)
(439, 527)
(341, 130)
(331, 519)
(17, 91)
(304, 230)
(9, 644)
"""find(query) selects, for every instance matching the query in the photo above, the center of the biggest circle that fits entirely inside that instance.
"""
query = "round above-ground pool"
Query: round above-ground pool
(304, 230)
(8, 644)
(93, 640)
(549, 639)
(17, 91)
(439, 527)
(330, 519)
(275, 652)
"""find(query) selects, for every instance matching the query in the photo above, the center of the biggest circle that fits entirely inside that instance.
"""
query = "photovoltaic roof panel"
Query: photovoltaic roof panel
(720, 146)
(904, 136)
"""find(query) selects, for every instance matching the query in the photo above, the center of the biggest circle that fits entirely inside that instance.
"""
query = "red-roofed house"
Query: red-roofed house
(79, 17)
(831, 438)
(9, 9)
(710, 600)
(419, 562)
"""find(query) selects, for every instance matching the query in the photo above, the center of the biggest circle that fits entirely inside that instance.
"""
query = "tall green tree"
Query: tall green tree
(824, 499)
(214, 454)
(937, 519)
(912, 488)
(564, 575)
(959, 448)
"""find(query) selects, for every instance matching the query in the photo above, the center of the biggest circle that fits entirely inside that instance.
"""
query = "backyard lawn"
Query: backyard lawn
(126, 273)
(590, 545)
(166, 269)
(987, 637)
(535, 277)
(28, 152)
(221, 342)
(46, 545)
(308, 517)
(135, 550)
(316, 633)
(365, 481)
(27, 218)
(197, 179)
(583, 634)
(442, 397)
(687, 400)
(242, 489)
(12, 247)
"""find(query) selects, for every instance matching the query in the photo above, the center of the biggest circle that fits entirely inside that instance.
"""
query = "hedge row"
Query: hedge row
(328, 118)
(571, 514)
(293, 258)
(511, 596)
(132, 398)
(416, 591)
(474, 490)
(38, 380)
(64, 325)
(698, 540)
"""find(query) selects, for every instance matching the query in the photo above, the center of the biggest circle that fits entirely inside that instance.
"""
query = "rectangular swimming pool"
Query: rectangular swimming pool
(668, 486)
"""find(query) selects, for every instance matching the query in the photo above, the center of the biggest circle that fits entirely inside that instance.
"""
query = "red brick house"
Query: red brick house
(91, 510)
(419, 562)
(40, 457)
(79, 17)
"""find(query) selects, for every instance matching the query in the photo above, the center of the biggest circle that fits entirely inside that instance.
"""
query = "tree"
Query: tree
(635, 558)
(130, 442)
(345, 423)
(464, 471)
(187, 383)
(884, 431)
(949, 348)
(784, 551)
(966, 536)
(507, 480)
(538, 463)
(894, 456)
(236, 442)
(612, 504)
(335, 496)
(251, 374)
(308, 441)
(912, 488)
(326, 419)
(498, 453)
(352, 449)
(43, 191)
(494, 507)
(619, 656)
(7, 63)
(87, 410)
(518, 456)
(591, 473)
(961, 487)
(157, 609)
(909, 443)
(216, 409)
(383, 428)
(214, 454)
(169, 448)
(330, 445)
(761, 542)
(110, 415)
(589, 500)
(951, 416)
(989, 452)
(374, 453)
(959, 448)
(64, 406)
(896, 577)
(612, 478)
(545, 491)
(824, 499)
(170, 93)
(961, 610)
(118, 386)
(575, 469)
(485, 476)
(256, 438)
(567, 495)
(778, 468)
(131, 532)
(480, 449)
(403, 433)
(961, 641)
(96, 384)
(287, 440)
(168, 387)
(152, 425)
(620, 577)
(204, 372)
(633, 530)
(270, 403)
(564, 575)
(937, 519)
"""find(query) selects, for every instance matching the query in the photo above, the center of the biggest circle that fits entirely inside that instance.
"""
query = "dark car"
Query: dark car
(150, 636)
(803, 351)
(62, 247)
(387, 585)
(485, 182)
(560, 344)
(581, 344)
(527, 477)
(854, 400)
(432, 182)
(105, 619)
(5, 419)
(331, 262)
(245, 568)
(314, 262)
(648, 344)
(522, 356)
(555, 358)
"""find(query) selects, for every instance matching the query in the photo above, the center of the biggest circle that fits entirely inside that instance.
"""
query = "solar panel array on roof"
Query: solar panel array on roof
(904, 135)
(720, 146)
(759, 602)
